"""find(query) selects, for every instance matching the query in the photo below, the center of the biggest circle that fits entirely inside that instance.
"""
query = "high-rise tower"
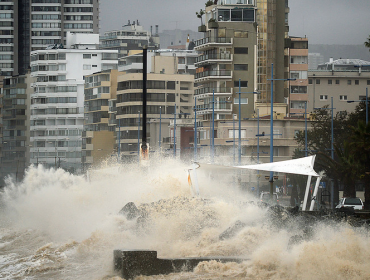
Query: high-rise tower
(28, 25)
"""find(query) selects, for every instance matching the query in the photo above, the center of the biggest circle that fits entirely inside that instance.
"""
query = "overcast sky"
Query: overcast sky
(322, 21)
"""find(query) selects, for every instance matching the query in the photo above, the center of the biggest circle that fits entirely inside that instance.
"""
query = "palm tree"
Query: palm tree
(200, 15)
(367, 43)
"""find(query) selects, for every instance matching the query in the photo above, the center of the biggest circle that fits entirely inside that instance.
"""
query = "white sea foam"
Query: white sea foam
(62, 226)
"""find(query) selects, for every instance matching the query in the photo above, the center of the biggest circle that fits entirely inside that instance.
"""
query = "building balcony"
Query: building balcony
(213, 74)
(223, 108)
(205, 92)
(212, 42)
(214, 58)
(132, 66)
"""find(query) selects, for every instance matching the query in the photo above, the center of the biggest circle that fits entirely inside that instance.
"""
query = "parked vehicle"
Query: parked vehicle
(266, 197)
(354, 202)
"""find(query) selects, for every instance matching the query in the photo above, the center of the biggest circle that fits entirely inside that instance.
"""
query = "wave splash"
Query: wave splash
(58, 226)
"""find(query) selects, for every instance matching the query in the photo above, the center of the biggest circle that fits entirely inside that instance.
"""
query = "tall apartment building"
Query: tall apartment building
(99, 137)
(28, 25)
(57, 103)
(298, 69)
(272, 25)
(16, 126)
(227, 55)
(170, 89)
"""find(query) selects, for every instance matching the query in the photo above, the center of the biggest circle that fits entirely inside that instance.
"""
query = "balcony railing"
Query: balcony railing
(208, 90)
(215, 40)
(213, 56)
(213, 73)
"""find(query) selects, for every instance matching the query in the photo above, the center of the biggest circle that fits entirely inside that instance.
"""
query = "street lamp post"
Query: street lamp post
(195, 130)
(272, 125)
(213, 128)
(160, 127)
(331, 148)
(305, 130)
(174, 134)
(240, 124)
(119, 141)
(138, 139)
(234, 116)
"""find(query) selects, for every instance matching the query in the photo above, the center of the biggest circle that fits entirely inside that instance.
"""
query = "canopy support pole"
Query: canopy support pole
(306, 193)
(314, 198)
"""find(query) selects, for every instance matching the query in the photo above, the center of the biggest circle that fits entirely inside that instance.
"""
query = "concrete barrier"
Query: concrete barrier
(142, 262)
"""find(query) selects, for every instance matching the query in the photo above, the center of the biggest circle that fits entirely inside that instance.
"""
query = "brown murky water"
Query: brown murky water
(58, 226)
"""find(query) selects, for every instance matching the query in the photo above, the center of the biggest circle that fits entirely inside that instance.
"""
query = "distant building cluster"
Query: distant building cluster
(72, 99)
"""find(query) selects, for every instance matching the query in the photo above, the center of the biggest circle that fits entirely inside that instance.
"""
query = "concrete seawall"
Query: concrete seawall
(142, 262)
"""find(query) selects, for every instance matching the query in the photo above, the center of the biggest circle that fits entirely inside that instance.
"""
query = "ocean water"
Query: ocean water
(54, 225)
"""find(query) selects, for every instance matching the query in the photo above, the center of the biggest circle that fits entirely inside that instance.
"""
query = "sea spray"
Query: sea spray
(62, 226)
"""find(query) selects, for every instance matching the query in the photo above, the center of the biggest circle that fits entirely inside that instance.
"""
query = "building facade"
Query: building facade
(28, 25)
(57, 102)
(99, 138)
(343, 80)
(16, 126)
(298, 70)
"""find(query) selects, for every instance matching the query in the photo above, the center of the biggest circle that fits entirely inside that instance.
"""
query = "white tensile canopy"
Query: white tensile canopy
(300, 166)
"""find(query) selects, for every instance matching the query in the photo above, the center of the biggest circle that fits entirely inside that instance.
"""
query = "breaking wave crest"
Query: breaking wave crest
(55, 225)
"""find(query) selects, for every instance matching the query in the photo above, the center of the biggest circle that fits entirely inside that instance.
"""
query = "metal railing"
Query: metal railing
(217, 40)
(214, 73)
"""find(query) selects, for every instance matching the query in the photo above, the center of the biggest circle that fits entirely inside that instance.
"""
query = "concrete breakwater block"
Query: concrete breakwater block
(142, 262)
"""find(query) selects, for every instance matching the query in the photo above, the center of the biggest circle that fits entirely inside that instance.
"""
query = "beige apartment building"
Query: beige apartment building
(168, 94)
(98, 138)
(243, 40)
(298, 70)
(343, 80)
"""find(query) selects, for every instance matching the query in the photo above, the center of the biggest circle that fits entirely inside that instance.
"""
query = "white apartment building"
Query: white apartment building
(57, 102)
(27, 25)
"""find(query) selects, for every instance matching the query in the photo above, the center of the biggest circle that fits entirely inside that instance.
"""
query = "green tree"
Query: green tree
(361, 149)
(200, 15)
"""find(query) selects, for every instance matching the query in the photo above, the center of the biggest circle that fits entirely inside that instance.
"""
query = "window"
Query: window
(241, 67)
(171, 85)
(294, 75)
(330, 82)
(368, 82)
(298, 59)
(343, 97)
(317, 81)
(86, 56)
(349, 82)
(357, 82)
(240, 50)
(310, 81)
(298, 89)
(242, 83)
(242, 100)
(323, 97)
(87, 67)
(337, 82)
